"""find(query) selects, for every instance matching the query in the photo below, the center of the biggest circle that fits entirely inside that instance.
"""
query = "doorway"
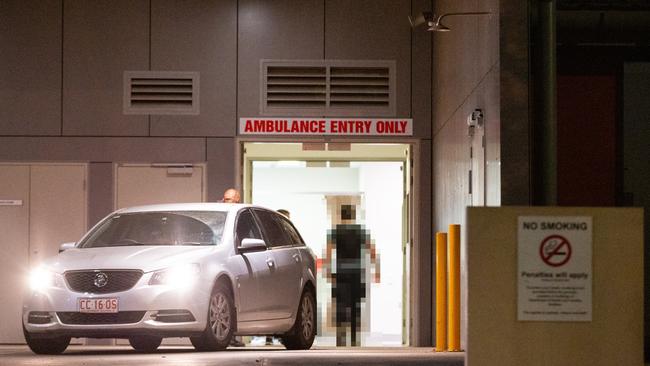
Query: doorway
(41, 206)
(313, 181)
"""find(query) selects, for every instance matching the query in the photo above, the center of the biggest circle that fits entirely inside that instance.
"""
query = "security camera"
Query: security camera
(477, 115)
(434, 21)
(474, 120)
(425, 16)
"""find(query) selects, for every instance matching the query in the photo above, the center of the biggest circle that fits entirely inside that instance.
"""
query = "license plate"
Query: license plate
(103, 305)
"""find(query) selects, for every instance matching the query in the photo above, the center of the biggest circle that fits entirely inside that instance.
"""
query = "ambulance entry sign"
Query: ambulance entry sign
(554, 268)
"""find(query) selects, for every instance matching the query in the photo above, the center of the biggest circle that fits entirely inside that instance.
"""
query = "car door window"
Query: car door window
(275, 234)
(246, 227)
(290, 230)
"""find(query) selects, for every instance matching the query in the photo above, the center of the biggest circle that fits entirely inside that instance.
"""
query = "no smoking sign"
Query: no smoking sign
(555, 250)
(554, 276)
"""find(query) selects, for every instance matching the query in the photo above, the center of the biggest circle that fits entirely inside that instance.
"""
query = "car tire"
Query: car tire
(46, 346)
(220, 327)
(145, 343)
(303, 332)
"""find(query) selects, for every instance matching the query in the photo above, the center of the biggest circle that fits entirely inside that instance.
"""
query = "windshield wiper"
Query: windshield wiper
(126, 242)
(193, 243)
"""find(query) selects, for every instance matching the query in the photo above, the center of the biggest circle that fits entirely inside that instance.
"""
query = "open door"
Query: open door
(305, 179)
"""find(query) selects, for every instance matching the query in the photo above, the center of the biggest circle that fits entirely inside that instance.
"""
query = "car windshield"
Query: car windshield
(158, 228)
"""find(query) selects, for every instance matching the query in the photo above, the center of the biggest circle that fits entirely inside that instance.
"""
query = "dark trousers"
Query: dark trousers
(348, 292)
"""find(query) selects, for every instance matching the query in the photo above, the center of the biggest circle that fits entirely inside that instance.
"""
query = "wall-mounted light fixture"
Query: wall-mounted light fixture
(434, 20)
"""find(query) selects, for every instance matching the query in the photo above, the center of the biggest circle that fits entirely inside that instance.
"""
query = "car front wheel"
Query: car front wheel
(221, 322)
(46, 346)
(303, 332)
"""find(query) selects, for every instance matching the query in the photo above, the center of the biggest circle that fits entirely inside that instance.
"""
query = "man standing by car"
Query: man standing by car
(231, 195)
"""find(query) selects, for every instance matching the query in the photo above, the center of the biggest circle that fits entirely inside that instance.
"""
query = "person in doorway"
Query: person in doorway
(351, 243)
(231, 195)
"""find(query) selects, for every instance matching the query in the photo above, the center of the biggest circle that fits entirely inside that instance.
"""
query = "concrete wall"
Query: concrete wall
(63, 64)
(514, 60)
(636, 132)
(466, 76)
(614, 336)
(62, 73)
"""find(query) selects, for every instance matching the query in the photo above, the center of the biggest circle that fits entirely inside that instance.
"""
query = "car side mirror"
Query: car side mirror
(252, 245)
(66, 246)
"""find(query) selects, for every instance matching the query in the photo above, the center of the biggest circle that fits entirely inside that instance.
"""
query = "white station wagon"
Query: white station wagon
(207, 271)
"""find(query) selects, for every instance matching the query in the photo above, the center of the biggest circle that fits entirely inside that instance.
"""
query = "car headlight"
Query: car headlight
(177, 276)
(41, 279)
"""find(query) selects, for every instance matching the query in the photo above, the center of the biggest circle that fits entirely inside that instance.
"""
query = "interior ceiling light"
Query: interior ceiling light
(434, 20)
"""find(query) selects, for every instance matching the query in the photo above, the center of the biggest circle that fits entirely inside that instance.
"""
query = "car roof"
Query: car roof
(195, 206)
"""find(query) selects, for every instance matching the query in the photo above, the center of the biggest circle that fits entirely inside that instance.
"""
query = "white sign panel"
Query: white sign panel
(326, 126)
(554, 268)
(11, 202)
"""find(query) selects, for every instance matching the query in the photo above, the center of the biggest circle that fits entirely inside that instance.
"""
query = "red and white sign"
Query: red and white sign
(555, 250)
(554, 276)
(326, 126)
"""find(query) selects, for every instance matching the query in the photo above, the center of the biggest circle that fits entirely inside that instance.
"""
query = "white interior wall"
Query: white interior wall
(301, 190)
(382, 184)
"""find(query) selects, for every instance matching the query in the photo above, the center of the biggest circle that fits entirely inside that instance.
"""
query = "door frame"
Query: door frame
(417, 276)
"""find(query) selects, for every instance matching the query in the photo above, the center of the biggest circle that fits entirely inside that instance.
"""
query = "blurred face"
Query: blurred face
(231, 196)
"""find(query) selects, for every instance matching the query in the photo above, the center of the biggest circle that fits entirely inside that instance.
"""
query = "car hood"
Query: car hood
(145, 258)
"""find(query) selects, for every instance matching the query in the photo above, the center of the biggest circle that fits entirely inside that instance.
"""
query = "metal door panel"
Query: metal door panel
(144, 184)
(288, 273)
(14, 244)
(253, 283)
(57, 208)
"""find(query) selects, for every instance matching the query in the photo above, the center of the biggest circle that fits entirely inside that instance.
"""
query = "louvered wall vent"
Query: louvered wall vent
(161, 92)
(328, 88)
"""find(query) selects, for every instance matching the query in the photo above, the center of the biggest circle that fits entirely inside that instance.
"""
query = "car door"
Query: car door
(283, 296)
(256, 271)
(295, 266)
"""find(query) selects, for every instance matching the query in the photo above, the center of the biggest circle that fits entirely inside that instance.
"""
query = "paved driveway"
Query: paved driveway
(125, 356)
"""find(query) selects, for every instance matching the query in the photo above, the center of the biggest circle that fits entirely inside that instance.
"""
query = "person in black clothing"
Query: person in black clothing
(352, 243)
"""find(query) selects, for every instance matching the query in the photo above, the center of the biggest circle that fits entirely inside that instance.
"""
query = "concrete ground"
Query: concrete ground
(262, 356)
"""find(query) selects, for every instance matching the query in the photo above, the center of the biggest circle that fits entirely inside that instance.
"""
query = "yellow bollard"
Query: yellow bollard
(454, 288)
(441, 292)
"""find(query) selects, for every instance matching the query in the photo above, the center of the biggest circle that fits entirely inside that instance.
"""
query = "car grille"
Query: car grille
(123, 317)
(116, 280)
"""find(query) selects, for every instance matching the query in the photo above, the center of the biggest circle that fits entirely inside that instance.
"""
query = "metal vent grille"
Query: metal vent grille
(123, 317)
(327, 88)
(160, 92)
(288, 86)
(360, 86)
